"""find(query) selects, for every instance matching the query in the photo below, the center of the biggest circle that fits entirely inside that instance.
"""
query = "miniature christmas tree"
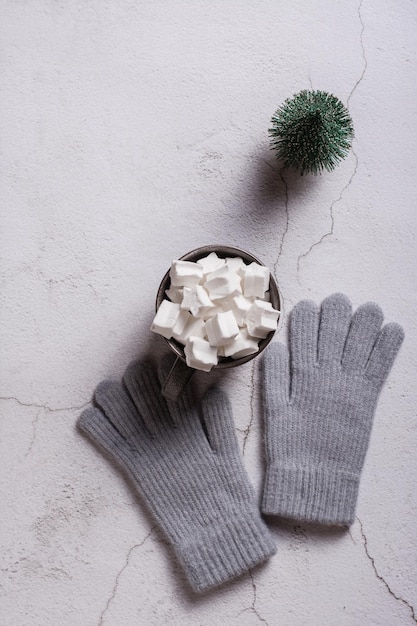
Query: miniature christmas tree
(311, 131)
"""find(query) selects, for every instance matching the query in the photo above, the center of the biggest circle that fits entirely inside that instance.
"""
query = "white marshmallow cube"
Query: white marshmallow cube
(196, 300)
(185, 273)
(239, 305)
(175, 294)
(242, 345)
(222, 328)
(182, 320)
(211, 263)
(236, 264)
(199, 354)
(166, 318)
(223, 283)
(261, 319)
(213, 312)
(255, 280)
(195, 327)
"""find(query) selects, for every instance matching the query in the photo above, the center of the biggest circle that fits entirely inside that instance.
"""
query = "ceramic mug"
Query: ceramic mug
(180, 373)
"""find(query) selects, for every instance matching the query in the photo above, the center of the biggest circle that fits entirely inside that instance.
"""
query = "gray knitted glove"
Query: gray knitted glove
(319, 408)
(195, 485)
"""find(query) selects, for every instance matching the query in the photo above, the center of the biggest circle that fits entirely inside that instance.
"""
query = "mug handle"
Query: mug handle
(178, 377)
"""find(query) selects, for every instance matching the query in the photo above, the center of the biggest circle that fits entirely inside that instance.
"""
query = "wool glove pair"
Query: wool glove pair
(318, 416)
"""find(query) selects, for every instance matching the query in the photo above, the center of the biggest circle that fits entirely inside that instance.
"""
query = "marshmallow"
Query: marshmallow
(236, 264)
(196, 300)
(223, 283)
(240, 306)
(185, 273)
(166, 318)
(213, 312)
(222, 328)
(199, 354)
(242, 345)
(255, 280)
(261, 319)
(179, 326)
(195, 327)
(211, 263)
(175, 294)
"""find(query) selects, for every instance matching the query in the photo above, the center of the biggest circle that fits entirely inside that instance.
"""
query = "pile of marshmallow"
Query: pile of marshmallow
(216, 308)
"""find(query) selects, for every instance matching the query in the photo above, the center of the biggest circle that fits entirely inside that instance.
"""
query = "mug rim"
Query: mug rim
(222, 251)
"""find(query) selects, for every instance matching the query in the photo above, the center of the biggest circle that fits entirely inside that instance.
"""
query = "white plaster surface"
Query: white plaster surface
(133, 132)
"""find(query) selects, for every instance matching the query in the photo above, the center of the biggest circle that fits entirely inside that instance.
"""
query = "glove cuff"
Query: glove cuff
(225, 550)
(314, 495)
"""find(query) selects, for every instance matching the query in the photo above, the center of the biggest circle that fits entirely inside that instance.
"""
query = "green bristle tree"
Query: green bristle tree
(311, 131)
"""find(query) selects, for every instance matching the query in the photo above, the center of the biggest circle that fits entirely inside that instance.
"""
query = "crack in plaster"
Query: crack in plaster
(365, 60)
(330, 232)
(45, 406)
(253, 608)
(34, 432)
(281, 245)
(41, 408)
(116, 582)
(287, 222)
(381, 578)
(248, 428)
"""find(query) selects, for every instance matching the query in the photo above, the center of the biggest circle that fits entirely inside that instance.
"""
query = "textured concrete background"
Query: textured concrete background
(131, 133)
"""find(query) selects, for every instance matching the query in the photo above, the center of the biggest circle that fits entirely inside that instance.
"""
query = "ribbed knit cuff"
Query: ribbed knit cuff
(225, 550)
(313, 495)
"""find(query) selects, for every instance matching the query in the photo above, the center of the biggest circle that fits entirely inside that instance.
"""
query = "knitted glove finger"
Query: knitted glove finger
(384, 352)
(218, 419)
(121, 412)
(143, 386)
(363, 332)
(174, 424)
(275, 373)
(335, 316)
(303, 335)
(182, 410)
(98, 428)
(275, 369)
